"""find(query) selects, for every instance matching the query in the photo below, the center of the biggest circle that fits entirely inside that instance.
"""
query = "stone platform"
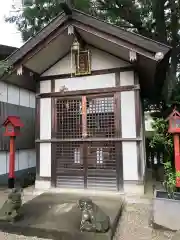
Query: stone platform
(56, 216)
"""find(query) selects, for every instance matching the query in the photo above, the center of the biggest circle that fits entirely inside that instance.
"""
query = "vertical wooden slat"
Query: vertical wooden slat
(84, 117)
(53, 135)
(118, 133)
(138, 127)
(85, 163)
(84, 135)
(37, 128)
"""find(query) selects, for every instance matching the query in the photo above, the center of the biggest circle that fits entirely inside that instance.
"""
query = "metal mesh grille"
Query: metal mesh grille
(100, 117)
(69, 165)
(68, 119)
(101, 164)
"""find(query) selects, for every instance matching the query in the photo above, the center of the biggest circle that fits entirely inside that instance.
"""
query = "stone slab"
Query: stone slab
(56, 216)
(165, 212)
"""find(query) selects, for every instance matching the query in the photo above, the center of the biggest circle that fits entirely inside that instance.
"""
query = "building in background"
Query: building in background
(19, 100)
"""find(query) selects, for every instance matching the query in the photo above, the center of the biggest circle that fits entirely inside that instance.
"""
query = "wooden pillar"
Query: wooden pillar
(177, 157)
(11, 176)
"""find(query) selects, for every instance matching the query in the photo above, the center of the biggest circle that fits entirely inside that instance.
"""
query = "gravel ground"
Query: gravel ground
(133, 225)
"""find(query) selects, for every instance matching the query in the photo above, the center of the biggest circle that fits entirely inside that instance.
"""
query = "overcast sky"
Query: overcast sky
(9, 34)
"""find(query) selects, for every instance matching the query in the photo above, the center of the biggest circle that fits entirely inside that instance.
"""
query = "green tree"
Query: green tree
(157, 19)
(36, 14)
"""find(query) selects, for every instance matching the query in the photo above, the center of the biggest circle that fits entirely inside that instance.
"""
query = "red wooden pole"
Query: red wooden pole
(177, 157)
(11, 176)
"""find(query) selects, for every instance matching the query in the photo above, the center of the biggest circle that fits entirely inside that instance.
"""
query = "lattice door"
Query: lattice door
(101, 154)
(86, 152)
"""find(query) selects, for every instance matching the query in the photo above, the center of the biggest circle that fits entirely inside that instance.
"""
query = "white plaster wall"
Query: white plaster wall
(127, 78)
(23, 159)
(143, 144)
(86, 82)
(128, 106)
(128, 122)
(102, 60)
(45, 86)
(130, 171)
(15, 95)
(45, 160)
(99, 60)
(45, 118)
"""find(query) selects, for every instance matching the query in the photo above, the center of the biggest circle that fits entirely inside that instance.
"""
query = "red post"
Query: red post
(177, 157)
(11, 176)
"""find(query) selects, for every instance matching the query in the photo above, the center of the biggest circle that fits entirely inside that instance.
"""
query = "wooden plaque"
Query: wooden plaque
(83, 63)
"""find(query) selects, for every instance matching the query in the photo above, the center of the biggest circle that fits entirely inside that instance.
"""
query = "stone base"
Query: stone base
(130, 188)
(134, 188)
(56, 216)
(42, 184)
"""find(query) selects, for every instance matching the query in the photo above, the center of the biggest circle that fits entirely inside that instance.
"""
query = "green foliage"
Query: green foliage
(161, 138)
(4, 67)
(37, 14)
(170, 179)
(156, 19)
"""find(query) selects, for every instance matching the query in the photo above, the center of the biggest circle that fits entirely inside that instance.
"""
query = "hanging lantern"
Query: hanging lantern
(75, 48)
(75, 45)
(81, 59)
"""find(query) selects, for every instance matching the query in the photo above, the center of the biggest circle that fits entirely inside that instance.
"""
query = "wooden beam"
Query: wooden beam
(114, 40)
(118, 139)
(89, 92)
(31, 71)
(43, 44)
(53, 135)
(138, 127)
(66, 6)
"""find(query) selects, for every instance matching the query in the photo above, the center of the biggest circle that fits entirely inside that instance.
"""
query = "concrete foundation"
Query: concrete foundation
(56, 216)
(130, 188)
(42, 184)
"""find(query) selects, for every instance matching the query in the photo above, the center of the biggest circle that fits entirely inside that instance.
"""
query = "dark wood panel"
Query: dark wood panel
(53, 134)
(37, 129)
(118, 145)
(95, 159)
(27, 138)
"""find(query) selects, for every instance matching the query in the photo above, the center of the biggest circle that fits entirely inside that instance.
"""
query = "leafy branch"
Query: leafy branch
(161, 138)
(5, 67)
